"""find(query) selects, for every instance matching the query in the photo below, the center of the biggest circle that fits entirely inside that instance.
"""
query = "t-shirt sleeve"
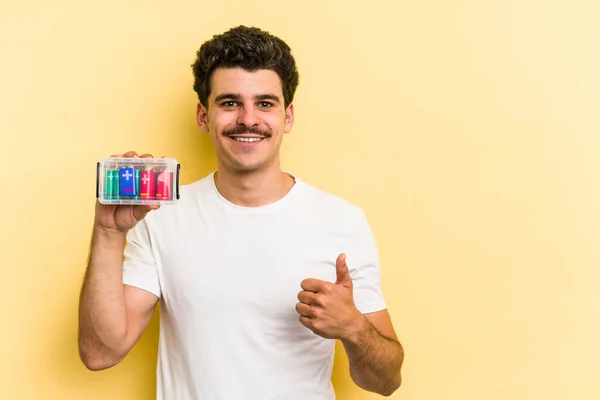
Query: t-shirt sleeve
(362, 258)
(139, 264)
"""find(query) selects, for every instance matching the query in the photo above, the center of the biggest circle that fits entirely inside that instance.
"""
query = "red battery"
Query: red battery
(164, 185)
(147, 185)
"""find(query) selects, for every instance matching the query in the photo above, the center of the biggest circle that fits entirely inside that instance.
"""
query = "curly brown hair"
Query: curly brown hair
(248, 48)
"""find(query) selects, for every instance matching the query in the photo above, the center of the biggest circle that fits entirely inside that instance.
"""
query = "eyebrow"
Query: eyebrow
(267, 96)
(232, 96)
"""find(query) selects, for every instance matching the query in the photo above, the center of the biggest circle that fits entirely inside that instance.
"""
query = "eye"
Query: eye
(265, 104)
(228, 104)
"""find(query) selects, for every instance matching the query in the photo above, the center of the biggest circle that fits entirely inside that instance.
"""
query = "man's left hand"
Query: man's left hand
(327, 308)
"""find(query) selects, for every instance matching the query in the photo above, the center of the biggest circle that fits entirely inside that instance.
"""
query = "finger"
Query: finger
(341, 271)
(309, 298)
(307, 322)
(146, 155)
(312, 285)
(304, 310)
(140, 212)
(130, 154)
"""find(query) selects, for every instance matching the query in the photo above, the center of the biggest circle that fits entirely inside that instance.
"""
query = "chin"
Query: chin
(248, 165)
(245, 168)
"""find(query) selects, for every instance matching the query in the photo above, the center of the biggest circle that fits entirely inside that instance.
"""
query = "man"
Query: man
(256, 271)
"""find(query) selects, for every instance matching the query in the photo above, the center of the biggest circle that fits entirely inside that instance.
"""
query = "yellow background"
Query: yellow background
(467, 130)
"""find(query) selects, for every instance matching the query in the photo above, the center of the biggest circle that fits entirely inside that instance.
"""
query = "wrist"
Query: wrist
(108, 235)
(357, 330)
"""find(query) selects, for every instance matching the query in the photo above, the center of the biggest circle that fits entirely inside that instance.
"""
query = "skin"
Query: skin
(250, 105)
(112, 316)
(248, 175)
(374, 352)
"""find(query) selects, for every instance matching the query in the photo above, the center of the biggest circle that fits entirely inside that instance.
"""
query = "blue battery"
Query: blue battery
(127, 182)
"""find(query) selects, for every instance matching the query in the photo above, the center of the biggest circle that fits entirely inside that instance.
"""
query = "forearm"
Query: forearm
(375, 360)
(102, 312)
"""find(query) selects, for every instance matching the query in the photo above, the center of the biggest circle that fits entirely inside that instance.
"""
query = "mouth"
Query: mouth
(246, 139)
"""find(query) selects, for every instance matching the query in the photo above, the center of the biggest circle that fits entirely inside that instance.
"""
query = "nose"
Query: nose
(248, 116)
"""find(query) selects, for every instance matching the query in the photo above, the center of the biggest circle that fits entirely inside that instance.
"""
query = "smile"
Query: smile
(247, 139)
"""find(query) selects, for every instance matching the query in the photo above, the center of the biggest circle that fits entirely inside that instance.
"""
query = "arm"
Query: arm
(112, 316)
(352, 309)
(375, 354)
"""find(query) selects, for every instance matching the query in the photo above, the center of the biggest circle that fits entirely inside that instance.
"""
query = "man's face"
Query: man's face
(246, 118)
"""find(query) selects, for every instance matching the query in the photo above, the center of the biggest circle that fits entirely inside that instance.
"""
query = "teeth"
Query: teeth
(242, 139)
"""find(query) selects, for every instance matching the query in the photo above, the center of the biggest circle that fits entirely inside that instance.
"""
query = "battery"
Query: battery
(147, 185)
(109, 184)
(127, 184)
(164, 185)
(115, 184)
(137, 184)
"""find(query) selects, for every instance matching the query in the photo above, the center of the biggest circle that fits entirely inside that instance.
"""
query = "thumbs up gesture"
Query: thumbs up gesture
(328, 309)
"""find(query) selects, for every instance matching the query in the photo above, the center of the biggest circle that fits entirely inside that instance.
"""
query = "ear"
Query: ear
(289, 119)
(202, 117)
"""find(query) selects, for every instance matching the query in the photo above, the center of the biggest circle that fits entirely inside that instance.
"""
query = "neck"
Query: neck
(253, 189)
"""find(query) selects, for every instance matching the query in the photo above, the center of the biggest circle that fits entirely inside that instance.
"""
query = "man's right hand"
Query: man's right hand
(118, 218)
(112, 315)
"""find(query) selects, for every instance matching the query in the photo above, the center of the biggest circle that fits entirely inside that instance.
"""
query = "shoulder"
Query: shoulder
(330, 206)
(200, 188)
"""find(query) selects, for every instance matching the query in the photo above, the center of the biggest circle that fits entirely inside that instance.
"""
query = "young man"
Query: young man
(256, 271)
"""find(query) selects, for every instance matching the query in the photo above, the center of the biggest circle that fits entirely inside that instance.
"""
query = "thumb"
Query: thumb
(342, 273)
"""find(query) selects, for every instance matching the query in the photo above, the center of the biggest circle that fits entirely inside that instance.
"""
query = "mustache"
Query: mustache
(240, 130)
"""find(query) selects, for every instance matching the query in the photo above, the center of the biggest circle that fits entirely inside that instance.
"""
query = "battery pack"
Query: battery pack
(137, 181)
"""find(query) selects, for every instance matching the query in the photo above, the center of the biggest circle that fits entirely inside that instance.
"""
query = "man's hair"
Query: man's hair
(248, 48)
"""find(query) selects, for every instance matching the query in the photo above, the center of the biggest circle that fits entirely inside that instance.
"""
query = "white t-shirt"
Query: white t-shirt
(228, 278)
